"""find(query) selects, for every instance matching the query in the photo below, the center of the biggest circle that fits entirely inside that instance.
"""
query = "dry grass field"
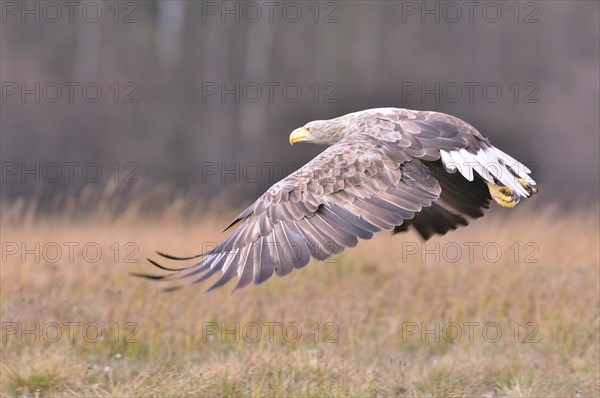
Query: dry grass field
(508, 306)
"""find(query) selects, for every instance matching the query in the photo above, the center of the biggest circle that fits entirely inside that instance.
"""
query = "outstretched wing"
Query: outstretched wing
(351, 190)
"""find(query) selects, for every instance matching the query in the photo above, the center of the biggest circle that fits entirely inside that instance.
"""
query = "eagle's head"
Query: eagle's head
(321, 132)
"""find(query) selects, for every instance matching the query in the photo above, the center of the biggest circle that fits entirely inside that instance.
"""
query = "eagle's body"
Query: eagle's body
(384, 169)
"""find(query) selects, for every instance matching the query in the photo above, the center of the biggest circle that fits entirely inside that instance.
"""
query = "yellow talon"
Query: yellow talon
(504, 196)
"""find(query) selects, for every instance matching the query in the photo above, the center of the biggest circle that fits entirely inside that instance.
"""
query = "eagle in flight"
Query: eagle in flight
(384, 169)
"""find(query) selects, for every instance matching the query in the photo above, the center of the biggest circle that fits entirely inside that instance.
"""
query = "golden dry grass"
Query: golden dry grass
(364, 304)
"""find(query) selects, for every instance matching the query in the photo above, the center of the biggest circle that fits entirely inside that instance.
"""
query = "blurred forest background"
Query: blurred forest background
(158, 64)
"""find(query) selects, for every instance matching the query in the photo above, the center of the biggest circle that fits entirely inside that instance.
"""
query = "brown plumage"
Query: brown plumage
(385, 169)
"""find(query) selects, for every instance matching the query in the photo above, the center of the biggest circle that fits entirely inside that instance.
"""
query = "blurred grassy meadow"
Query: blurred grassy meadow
(516, 316)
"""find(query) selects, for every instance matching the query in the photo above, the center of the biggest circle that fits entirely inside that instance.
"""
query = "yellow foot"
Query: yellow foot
(504, 196)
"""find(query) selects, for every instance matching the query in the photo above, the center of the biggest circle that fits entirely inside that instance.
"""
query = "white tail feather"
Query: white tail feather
(490, 163)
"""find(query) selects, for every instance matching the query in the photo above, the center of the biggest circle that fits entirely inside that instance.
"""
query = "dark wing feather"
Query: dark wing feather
(460, 200)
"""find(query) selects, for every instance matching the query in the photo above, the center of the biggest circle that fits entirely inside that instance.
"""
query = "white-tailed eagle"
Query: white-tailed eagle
(384, 169)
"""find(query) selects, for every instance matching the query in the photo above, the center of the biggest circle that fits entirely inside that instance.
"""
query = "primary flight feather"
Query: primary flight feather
(384, 169)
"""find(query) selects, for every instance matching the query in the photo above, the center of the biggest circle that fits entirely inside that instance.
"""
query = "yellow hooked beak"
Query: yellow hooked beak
(299, 135)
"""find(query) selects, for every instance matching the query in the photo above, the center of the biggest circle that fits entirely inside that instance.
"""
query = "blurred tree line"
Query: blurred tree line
(198, 96)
